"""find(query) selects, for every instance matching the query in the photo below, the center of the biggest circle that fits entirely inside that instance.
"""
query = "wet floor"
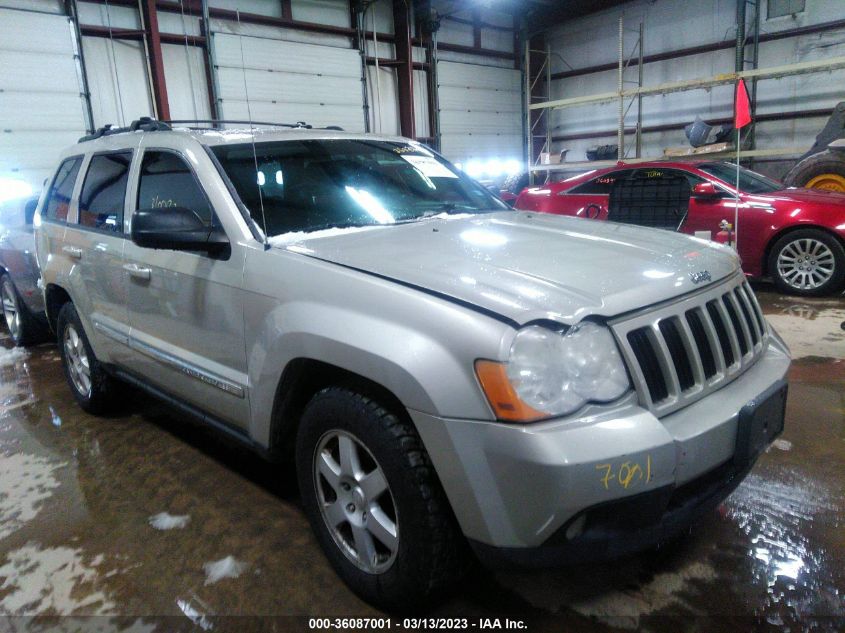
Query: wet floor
(151, 523)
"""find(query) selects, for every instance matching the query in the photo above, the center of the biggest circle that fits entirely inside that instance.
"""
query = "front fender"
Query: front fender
(419, 347)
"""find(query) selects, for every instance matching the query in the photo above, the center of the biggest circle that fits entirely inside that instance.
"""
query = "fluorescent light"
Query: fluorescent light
(11, 188)
(494, 167)
(475, 168)
(261, 179)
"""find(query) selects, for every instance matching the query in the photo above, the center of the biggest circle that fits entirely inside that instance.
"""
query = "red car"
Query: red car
(796, 236)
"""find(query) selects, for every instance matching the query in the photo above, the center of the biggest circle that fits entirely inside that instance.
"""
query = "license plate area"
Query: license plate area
(760, 422)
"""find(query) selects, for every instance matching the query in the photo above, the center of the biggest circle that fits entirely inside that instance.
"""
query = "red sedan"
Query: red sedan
(796, 236)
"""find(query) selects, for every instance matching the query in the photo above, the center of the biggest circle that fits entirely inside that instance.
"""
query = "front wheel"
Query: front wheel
(807, 262)
(374, 501)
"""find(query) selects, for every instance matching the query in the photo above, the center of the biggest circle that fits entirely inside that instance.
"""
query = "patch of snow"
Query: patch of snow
(10, 356)
(228, 567)
(784, 445)
(624, 608)
(26, 481)
(166, 521)
(194, 615)
(51, 580)
(300, 236)
(6, 408)
(295, 237)
(620, 605)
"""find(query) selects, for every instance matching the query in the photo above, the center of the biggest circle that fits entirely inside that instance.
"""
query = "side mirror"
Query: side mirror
(177, 229)
(705, 190)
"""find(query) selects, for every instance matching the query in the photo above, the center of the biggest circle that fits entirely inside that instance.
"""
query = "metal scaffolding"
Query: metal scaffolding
(537, 118)
(747, 67)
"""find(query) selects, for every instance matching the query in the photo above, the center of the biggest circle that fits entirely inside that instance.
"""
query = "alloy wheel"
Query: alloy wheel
(806, 264)
(355, 501)
(79, 367)
(10, 309)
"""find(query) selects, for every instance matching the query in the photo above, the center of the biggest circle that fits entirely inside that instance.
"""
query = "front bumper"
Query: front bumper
(520, 491)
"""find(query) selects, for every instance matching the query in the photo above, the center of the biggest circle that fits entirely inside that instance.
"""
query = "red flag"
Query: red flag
(742, 106)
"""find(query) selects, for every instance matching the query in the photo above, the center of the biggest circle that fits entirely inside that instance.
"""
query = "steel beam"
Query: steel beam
(773, 72)
(668, 127)
(93, 30)
(705, 48)
(297, 25)
(153, 38)
(405, 69)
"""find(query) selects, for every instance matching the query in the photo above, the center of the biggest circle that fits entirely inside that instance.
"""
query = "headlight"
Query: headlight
(552, 374)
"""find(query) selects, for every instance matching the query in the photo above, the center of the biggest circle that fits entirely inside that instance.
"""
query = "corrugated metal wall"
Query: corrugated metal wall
(670, 26)
(288, 81)
(289, 74)
(480, 112)
(40, 105)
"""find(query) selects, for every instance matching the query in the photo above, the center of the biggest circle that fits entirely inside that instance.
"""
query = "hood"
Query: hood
(816, 196)
(526, 266)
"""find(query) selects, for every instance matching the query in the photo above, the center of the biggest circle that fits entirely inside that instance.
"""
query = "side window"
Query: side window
(167, 181)
(58, 202)
(103, 194)
(601, 185)
(667, 174)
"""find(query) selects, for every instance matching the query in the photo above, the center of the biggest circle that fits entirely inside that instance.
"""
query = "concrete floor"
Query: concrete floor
(84, 503)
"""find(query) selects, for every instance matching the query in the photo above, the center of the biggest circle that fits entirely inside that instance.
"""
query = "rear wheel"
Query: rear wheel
(94, 389)
(374, 501)
(807, 262)
(23, 327)
(825, 170)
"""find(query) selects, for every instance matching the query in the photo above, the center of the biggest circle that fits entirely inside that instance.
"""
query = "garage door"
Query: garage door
(41, 110)
(480, 112)
(289, 81)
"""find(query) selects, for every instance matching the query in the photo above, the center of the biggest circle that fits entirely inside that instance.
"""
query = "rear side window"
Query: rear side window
(104, 192)
(167, 181)
(602, 184)
(58, 201)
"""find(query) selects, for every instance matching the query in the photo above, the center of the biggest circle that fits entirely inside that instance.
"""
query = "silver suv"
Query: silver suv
(448, 375)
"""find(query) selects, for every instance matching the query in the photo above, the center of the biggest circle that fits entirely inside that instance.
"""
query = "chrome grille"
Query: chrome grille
(680, 352)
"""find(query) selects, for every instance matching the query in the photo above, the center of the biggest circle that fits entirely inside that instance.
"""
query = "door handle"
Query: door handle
(72, 251)
(137, 272)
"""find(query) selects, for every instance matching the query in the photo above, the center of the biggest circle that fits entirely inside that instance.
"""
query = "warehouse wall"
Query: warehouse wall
(480, 99)
(672, 25)
(289, 74)
(40, 105)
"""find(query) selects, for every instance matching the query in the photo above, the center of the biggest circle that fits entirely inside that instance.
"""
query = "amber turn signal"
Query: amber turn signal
(501, 395)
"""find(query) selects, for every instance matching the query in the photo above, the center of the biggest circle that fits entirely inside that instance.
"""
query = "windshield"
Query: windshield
(309, 185)
(749, 181)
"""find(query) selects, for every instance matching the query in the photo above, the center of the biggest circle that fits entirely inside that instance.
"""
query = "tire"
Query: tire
(515, 183)
(825, 170)
(428, 554)
(24, 328)
(792, 271)
(97, 392)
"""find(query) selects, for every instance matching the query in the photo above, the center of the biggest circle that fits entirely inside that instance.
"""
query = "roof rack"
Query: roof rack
(148, 124)
(217, 122)
(145, 124)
